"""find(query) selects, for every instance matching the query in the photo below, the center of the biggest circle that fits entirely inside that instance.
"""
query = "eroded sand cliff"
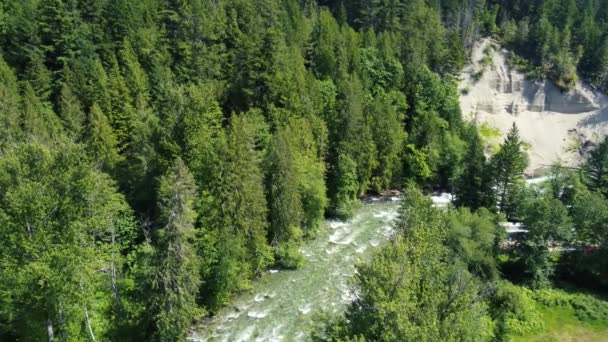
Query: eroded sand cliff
(558, 126)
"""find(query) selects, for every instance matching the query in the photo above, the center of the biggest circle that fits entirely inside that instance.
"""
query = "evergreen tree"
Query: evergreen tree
(38, 121)
(10, 105)
(473, 187)
(284, 201)
(71, 112)
(101, 141)
(508, 166)
(175, 284)
(596, 168)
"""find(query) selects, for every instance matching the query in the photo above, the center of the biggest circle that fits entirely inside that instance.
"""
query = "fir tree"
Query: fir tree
(175, 284)
(508, 167)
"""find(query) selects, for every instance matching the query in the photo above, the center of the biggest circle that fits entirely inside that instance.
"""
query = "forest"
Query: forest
(158, 156)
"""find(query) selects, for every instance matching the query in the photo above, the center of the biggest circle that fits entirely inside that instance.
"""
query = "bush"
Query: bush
(515, 311)
(288, 256)
(586, 307)
(551, 298)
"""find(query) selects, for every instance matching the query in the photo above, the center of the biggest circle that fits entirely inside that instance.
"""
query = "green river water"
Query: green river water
(281, 303)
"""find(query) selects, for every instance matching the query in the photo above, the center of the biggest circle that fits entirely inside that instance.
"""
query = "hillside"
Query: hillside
(558, 126)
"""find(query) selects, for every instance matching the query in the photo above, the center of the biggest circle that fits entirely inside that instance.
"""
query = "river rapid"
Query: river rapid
(281, 304)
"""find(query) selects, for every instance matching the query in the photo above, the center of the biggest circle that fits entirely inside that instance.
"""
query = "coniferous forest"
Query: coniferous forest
(157, 156)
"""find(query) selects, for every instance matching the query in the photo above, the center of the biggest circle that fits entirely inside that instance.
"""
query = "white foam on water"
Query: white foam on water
(388, 231)
(274, 271)
(336, 224)
(393, 215)
(233, 315)
(343, 236)
(386, 215)
(244, 307)
(381, 214)
(306, 252)
(259, 297)
(537, 180)
(361, 249)
(271, 336)
(331, 250)
(257, 314)
(442, 200)
(347, 295)
(305, 309)
(338, 235)
(395, 198)
(511, 227)
(246, 334)
(374, 243)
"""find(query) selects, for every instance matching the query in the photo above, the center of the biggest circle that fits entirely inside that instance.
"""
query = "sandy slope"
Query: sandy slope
(559, 126)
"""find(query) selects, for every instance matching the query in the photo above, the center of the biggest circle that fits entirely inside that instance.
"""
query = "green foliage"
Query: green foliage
(280, 110)
(10, 110)
(507, 166)
(559, 38)
(66, 222)
(102, 143)
(473, 187)
(515, 311)
(596, 168)
(283, 196)
(175, 282)
(547, 222)
(586, 307)
(409, 291)
(472, 238)
(345, 193)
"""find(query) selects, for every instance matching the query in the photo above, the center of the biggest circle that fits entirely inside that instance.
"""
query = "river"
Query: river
(281, 304)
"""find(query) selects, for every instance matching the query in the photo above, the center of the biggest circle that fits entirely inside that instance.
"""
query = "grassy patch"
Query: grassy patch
(569, 317)
(489, 132)
(562, 324)
(490, 136)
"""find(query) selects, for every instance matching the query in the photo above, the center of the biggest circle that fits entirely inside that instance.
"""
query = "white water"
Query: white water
(282, 303)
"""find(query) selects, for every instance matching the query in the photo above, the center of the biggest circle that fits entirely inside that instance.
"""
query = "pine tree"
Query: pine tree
(284, 200)
(176, 281)
(248, 205)
(101, 141)
(38, 119)
(121, 109)
(473, 187)
(547, 221)
(39, 77)
(508, 167)
(596, 168)
(10, 105)
(70, 112)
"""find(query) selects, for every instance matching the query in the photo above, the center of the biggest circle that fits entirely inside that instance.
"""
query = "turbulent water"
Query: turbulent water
(282, 302)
